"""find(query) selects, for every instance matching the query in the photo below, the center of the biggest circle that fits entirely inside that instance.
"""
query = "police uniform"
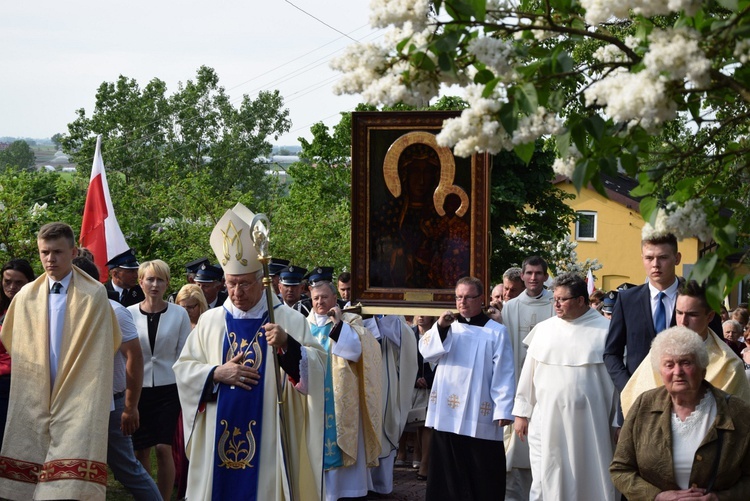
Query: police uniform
(209, 273)
(125, 297)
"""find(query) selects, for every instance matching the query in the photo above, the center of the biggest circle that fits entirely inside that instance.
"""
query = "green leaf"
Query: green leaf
(648, 207)
(489, 87)
(525, 151)
(595, 126)
(445, 62)
(565, 62)
(694, 106)
(579, 175)
(526, 96)
(480, 9)
(704, 267)
(728, 4)
(578, 134)
(509, 116)
(483, 76)
(422, 61)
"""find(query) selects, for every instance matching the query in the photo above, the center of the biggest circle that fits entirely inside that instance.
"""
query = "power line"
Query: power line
(321, 21)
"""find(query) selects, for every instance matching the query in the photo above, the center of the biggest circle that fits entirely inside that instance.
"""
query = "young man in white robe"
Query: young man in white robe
(233, 420)
(520, 315)
(565, 401)
(471, 399)
(352, 397)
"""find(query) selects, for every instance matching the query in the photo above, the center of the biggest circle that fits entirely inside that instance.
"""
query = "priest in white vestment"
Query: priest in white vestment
(520, 315)
(398, 349)
(471, 399)
(565, 402)
(234, 424)
(725, 370)
(352, 394)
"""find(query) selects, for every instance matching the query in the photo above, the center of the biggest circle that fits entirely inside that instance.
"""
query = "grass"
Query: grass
(115, 490)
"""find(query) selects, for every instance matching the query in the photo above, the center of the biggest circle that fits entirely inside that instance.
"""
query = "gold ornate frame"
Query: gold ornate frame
(378, 140)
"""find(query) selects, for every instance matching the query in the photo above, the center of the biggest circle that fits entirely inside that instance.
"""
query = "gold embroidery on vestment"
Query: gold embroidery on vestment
(241, 454)
(453, 401)
(485, 408)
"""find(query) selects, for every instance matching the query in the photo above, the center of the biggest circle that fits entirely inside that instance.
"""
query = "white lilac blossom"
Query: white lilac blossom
(37, 210)
(532, 127)
(477, 129)
(494, 53)
(398, 12)
(564, 166)
(676, 54)
(635, 98)
(562, 254)
(600, 11)
(686, 221)
(610, 54)
(360, 64)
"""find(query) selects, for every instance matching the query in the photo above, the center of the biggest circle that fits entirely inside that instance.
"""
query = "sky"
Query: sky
(54, 55)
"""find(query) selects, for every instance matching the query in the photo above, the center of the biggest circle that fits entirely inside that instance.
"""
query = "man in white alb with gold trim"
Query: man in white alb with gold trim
(352, 393)
(228, 393)
(471, 399)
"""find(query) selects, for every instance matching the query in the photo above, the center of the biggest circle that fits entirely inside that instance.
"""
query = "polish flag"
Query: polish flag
(590, 282)
(100, 231)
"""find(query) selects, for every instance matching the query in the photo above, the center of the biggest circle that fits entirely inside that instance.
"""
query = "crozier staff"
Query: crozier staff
(226, 385)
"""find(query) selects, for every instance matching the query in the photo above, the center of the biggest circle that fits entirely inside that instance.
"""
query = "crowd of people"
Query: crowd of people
(249, 386)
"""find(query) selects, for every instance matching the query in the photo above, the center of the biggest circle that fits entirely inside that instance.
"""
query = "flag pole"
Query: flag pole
(259, 229)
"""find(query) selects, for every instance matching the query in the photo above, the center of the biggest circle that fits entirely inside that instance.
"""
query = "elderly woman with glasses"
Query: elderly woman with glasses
(686, 439)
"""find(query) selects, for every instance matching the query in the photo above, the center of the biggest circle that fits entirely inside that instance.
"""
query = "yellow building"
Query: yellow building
(609, 230)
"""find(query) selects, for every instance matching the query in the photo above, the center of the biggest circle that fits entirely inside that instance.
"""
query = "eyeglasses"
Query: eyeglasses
(461, 298)
(190, 307)
(243, 286)
(561, 300)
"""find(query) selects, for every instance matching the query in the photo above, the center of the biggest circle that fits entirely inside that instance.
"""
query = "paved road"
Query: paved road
(406, 487)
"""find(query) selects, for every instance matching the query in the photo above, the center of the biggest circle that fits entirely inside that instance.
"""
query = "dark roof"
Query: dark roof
(618, 189)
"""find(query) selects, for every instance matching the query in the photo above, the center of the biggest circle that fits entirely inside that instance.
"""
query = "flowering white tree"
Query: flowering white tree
(562, 255)
(657, 88)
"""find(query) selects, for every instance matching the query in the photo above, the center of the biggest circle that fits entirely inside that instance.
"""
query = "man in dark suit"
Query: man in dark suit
(123, 278)
(642, 312)
(210, 279)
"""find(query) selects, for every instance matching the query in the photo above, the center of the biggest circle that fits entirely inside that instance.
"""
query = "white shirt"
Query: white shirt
(56, 311)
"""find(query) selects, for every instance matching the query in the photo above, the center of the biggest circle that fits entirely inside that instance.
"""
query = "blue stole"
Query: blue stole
(332, 456)
(239, 415)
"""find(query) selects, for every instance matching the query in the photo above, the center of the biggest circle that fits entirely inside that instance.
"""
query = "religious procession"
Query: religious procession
(261, 379)
(421, 369)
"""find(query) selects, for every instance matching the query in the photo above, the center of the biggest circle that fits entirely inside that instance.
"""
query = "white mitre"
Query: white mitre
(232, 242)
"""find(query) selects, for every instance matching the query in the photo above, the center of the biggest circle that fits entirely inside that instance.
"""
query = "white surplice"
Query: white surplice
(474, 380)
(566, 391)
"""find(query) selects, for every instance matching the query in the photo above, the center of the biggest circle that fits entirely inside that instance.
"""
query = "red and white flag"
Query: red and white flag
(100, 231)
(590, 282)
